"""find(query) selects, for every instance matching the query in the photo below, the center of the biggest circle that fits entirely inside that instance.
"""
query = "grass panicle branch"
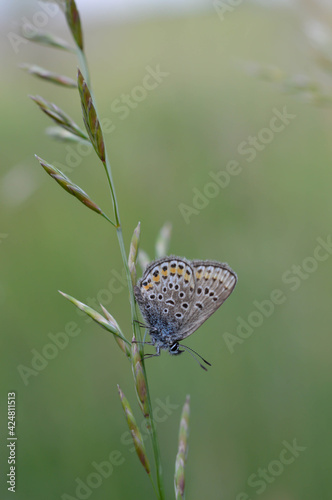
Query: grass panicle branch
(110, 326)
(48, 40)
(68, 130)
(299, 85)
(70, 187)
(45, 74)
(124, 346)
(59, 116)
(62, 135)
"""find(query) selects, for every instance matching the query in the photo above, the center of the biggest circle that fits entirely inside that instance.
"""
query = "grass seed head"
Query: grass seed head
(179, 477)
(163, 240)
(90, 117)
(135, 432)
(74, 22)
(139, 378)
(133, 251)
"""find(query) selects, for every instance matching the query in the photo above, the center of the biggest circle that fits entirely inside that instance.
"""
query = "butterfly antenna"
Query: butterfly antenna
(192, 353)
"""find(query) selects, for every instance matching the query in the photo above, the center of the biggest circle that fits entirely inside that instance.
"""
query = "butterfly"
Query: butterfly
(176, 296)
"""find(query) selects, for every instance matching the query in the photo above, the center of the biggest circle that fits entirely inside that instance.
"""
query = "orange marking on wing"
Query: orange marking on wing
(164, 273)
(173, 270)
(156, 279)
(179, 271)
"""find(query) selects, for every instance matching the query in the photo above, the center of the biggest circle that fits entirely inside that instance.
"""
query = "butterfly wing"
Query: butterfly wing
(165, 292)
(214, 283)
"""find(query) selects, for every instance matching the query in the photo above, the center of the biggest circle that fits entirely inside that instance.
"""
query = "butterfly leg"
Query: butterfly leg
(142, 325)
(157, 353)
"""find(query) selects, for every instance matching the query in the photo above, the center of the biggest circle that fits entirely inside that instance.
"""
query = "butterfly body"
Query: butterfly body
(176, 296)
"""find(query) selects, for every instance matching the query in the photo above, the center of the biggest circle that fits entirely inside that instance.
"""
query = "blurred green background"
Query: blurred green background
(271, 387)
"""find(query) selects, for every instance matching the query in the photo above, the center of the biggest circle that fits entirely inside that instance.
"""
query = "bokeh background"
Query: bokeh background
(271, 387)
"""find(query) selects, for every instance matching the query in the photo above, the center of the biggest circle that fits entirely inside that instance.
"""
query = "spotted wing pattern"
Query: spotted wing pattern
(214, 283)
(164, 294)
